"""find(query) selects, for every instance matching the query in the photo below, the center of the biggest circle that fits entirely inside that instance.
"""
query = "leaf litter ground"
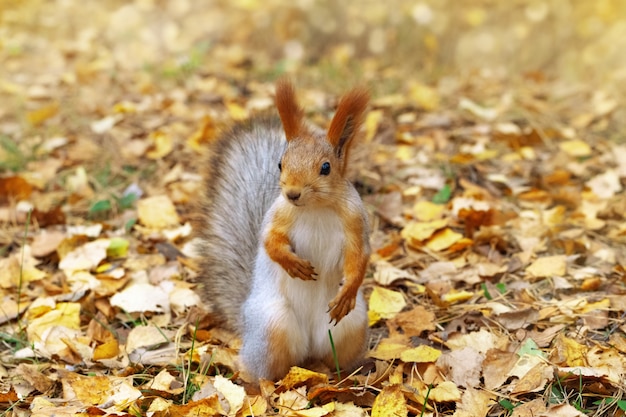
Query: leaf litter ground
(497, 281)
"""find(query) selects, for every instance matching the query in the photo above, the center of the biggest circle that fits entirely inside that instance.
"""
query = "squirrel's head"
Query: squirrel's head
(313, 166)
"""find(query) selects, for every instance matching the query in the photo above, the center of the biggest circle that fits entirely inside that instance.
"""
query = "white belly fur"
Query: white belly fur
(300, 306)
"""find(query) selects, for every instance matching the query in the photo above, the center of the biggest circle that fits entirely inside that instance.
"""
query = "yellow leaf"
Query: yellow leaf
(37, 117)
(576, 148)
(426, 211)
(372, 121)
(447, 391)
(63, 314)
(90, 390)
(300, 376)
(426, 97)
(162, 145)
(603, 304)
(386, 303)
(457, 296)
(390, 402)
(417, 232)
(205, 133)
(157, 212)
(106, 350)
(317, 411)
(233, 394)
(254, 405)
(389, 349)
(236, 111)
(420, 354)
(548, 266)
(443, 239)
(573, 352)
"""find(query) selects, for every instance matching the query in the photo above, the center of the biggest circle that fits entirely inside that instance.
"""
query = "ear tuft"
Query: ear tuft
(348, 120)
(291, 114)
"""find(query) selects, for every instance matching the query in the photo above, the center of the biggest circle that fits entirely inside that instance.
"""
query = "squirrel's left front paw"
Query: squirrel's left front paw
(341, 305)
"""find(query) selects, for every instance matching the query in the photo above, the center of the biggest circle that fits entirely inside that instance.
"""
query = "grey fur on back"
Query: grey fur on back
(240, 185)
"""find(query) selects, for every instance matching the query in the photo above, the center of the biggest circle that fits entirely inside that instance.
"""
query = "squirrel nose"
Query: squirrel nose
(293, 195)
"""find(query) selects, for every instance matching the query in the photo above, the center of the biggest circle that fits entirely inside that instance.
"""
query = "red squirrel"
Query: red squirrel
(284, 243)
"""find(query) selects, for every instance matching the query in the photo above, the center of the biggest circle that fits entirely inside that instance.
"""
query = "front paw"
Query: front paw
(297, 267)
(341, 305)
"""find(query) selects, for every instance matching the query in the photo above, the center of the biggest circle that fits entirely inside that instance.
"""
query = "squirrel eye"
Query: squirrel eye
(280, 167)
(325, 168)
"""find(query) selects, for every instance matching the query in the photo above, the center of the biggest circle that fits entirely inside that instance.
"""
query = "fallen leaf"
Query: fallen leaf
(384, 303)
(297, 377)
(548, 266)
(157, 212)
(390, 402)
(420, 354)
(414, 321)
(443, 240)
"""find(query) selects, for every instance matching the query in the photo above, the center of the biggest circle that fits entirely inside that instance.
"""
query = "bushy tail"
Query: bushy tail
(241, 184)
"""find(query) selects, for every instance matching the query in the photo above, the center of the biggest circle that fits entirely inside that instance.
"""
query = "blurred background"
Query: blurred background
(573, 40)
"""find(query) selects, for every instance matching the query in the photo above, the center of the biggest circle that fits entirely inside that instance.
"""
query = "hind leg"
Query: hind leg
(273, 342)
(350, 338)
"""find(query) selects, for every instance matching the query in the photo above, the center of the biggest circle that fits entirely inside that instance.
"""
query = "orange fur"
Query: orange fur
(347, 121)
(279, 249)
(354, 267)
(279, 352)
(291, 114)
(349, 350)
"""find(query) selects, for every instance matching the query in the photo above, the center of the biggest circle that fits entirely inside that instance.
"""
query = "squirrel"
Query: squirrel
(284, 243)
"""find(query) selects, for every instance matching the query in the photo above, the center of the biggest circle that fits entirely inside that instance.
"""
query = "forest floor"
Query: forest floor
(492, 163)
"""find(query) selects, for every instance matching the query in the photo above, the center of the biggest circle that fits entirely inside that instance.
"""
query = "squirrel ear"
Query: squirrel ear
(291, 114)
(348, 119)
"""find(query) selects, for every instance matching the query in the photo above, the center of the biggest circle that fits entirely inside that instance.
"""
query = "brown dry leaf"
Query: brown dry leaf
(462, 366)
(474, 403)
(414, 322)
(530, 409)
(14, 188)
(496, 367)
(562, 410)
(35, 376)
(46, 242)
(535, 379)
(390, 402)
(517, 319)
(386, 273)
